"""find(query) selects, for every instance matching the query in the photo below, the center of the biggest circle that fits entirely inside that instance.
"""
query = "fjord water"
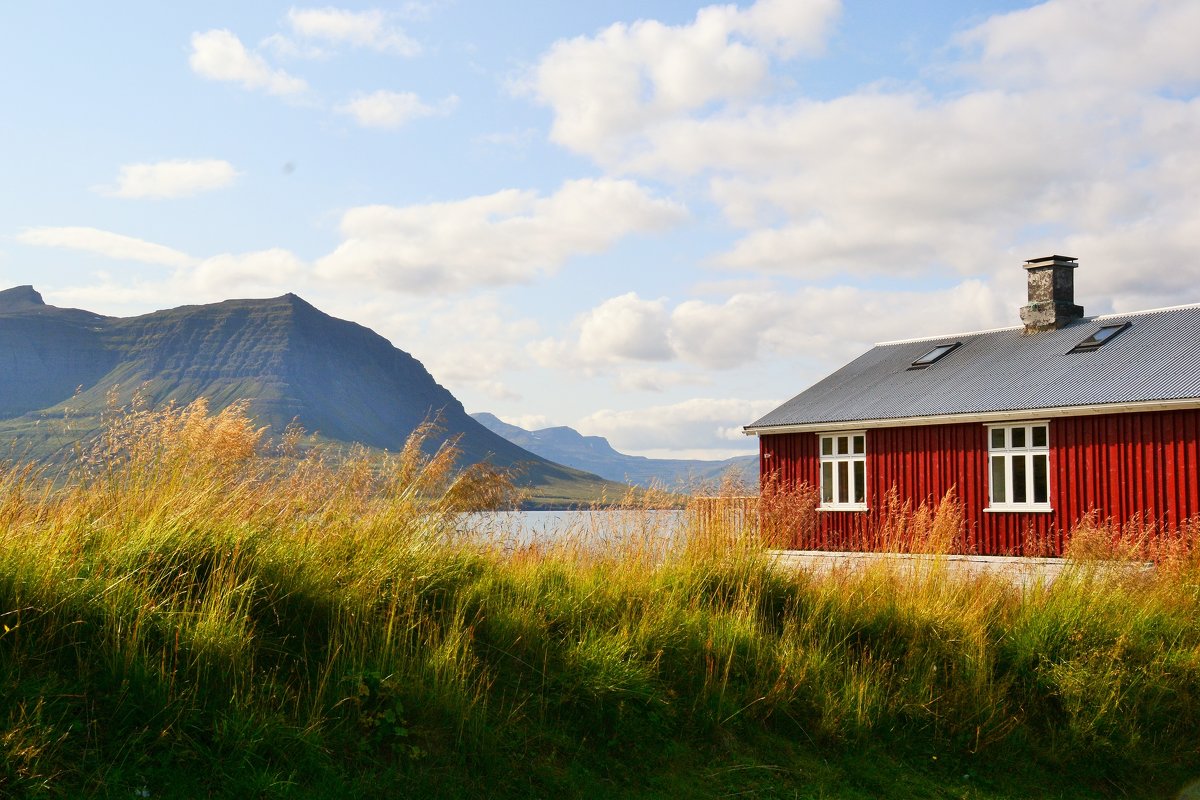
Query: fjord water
(591, 528)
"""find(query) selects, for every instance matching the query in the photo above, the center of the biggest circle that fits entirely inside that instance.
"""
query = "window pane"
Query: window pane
(826, 445)
(860, 444)
(1018, 437)
(843, 493)
(1039, 436)
(998, 494)
(843, 445)
(827, 482)
(1041, 486)
(1019, 492)
(997, 438)
(860, 481)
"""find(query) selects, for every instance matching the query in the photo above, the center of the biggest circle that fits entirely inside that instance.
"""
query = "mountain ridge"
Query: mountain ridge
(565, 445)
(285, 357)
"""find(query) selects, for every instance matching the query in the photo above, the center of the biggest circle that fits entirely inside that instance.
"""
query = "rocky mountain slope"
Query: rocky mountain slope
(289, 360)
(594, 454)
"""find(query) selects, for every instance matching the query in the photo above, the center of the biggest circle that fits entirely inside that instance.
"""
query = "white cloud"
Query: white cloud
(490, 240)
(107, 244)
(700, 426)
(284, 47)
(190, 280)
(530, 422)
(265, 269)
(176, 178)
(629, 77)
(513, 139)
(823, 326)
(829, 326)
(370, 29)
(1134, 44)
(625, 327)
(621, 329)
(1046, 139)
(384, 109)
(471, 345)
(220, 56)
(471, 340)
(653, 379)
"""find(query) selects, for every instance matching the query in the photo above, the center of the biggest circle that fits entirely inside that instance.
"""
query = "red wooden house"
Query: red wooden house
(1033, 426)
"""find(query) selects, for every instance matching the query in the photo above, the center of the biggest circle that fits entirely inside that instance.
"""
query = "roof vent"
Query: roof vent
(1051, 294)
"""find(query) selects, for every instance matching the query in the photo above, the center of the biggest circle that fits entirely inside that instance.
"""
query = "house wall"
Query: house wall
(1115, 464)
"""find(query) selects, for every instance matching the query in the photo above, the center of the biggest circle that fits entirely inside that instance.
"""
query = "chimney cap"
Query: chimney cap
(1047, 261)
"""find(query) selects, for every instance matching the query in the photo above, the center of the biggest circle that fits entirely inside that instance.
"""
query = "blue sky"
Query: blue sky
(650, 221)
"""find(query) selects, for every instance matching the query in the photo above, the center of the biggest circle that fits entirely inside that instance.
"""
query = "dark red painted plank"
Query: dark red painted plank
(1117, 465)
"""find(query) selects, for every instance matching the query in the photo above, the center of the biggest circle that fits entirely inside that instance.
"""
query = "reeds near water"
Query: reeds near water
(194, 610)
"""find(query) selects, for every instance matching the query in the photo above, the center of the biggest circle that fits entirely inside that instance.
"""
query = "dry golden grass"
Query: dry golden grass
(196, 601)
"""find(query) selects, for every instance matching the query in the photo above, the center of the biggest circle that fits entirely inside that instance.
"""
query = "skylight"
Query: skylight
(1100, 338)
(933, 355)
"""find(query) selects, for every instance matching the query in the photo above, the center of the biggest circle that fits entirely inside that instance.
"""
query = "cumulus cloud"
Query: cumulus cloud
(507, 237)
(1046, 138)
(828, 326)
(107, 244)
(472, 340)
(384, 109)
(824, 326)
(175, 178)
(271, 268)
(652, 379)
(219, 55)
(696, 428)
(530, 422)
(472, 345)
(372, 29)
(822, 189)
(628, 77)
(625, 327)
(621, 329)
(1073, 42)
(191, 279)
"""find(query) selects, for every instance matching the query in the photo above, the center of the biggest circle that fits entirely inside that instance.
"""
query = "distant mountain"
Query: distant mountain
(289, 360)
(594, 454)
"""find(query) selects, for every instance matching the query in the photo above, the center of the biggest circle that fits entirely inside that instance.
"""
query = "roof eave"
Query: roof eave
(1176, 404)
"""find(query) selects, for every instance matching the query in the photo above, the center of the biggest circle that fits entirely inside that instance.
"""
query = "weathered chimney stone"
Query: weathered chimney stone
(1051, 294)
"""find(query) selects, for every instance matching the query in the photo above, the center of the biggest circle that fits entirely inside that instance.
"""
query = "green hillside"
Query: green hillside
(61, 368)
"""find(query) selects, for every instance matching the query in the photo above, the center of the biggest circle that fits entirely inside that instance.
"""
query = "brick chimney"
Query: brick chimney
(1051, 294)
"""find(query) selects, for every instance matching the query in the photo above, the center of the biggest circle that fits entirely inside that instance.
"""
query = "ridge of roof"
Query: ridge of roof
(1097, 318)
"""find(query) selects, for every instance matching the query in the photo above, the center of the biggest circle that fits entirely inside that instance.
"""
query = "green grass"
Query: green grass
(189, 617)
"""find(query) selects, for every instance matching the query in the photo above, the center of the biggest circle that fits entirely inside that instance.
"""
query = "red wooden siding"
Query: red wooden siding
(1118, 465)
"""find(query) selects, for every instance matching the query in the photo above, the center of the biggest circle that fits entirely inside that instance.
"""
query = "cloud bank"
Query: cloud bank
(508, 237)
(175, 178)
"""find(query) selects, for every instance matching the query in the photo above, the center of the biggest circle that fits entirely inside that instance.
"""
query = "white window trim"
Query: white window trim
(850, 458)
(1029, 506)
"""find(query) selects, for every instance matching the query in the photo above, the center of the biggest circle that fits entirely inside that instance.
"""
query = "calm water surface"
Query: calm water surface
(593, 528)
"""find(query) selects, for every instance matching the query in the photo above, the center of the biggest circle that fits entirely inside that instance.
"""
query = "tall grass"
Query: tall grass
(197, 610)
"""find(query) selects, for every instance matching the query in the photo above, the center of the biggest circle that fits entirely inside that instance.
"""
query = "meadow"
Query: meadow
(190, 610)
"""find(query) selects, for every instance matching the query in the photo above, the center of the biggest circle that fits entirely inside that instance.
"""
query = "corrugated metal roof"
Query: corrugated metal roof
(1157, 358)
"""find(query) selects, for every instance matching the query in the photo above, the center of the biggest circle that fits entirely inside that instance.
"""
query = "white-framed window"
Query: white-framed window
(844, 470)
(1019, 467)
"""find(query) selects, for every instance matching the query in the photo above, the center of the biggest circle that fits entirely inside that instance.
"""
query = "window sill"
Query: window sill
(1027, 509)
(844, 507)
